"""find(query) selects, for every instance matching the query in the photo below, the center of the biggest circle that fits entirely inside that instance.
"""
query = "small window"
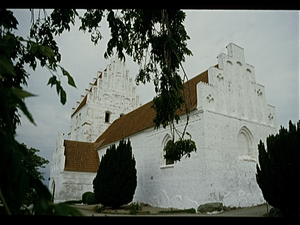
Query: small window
(167, 161)
(107, 117)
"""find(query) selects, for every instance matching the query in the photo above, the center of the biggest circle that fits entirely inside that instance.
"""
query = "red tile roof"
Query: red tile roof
(81, 156)
(142, 117)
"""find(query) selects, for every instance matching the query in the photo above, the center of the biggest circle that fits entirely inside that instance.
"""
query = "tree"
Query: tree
(31, 163)
(278, 172)
(116, 181)
(17, 164)
(155, 39)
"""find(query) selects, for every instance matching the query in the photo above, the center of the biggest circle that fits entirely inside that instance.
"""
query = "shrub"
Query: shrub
(133, 208)
(278, 173)
(90, 199)
(84, 195)
(115, 182)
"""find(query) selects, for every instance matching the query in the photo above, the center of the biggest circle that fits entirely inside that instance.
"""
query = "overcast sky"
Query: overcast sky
(270, 40)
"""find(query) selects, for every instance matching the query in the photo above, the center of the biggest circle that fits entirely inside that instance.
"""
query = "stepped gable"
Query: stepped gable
(83, 102)
(142, 118)
(82, 157)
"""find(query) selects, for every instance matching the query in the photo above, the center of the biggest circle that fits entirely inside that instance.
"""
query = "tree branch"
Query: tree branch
(4, 203)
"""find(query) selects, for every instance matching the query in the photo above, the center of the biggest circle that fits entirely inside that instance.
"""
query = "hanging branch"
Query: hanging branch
(187, 108)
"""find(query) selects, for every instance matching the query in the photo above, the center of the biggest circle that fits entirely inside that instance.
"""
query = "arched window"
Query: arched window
(245, 142)
(165, 162)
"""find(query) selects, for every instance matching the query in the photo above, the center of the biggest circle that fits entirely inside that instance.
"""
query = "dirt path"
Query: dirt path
(255, 211)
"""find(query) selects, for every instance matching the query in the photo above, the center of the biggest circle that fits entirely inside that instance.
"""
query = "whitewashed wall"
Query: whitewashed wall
(231, 117)
(71, 185)
(114, 93)
(218, 171)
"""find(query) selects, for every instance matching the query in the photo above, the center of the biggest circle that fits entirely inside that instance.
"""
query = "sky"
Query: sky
(270, 40)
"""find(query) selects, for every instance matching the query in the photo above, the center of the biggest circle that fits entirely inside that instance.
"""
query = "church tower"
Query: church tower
(111, 95)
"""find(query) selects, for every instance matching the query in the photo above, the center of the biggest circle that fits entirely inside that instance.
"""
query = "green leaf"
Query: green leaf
(21, 93)
(47, 51)
(6, 66)
(52, 80)
(63, 96)
(60, 91)
(70, 78)
(58, 87)
(21, 105)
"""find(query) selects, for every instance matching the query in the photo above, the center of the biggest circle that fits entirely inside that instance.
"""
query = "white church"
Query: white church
(229, 115)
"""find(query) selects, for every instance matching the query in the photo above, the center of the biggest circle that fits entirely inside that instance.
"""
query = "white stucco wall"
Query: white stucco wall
(230, 119)
(71, 185)
(114, 92)
(218, 171)
(67, 185)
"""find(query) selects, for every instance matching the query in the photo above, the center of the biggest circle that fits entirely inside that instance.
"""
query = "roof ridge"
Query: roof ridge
(142, 117)
(79, 141)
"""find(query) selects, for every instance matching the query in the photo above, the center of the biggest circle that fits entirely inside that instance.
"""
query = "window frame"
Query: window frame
(164, 163)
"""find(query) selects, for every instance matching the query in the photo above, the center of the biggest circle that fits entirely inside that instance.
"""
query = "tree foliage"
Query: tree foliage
(278, 173)
(174, 151)
(116, 180)
(31, 164)
(21, 183)
(155, 39)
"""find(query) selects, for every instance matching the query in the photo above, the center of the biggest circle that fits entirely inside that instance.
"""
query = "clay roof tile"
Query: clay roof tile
(142, 117)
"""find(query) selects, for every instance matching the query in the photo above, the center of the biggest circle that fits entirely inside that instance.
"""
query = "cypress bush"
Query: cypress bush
(278, 173)
(116, 181)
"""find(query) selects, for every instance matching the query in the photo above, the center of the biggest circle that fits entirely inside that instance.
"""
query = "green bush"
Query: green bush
(116, 181)
(278, 173)
(133, 208)
(90, 199)
(84, 195)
